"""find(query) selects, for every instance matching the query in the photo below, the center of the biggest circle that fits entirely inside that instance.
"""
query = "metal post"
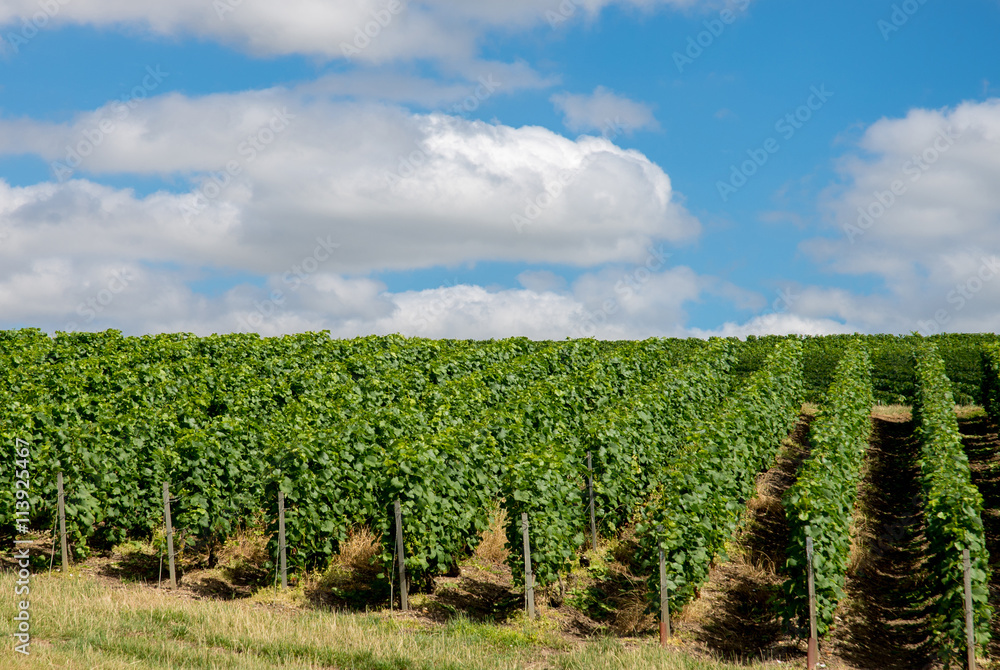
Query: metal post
(970, 629)
(170, 534)
(529, 579)
(62, 524)
(590, 488)
(812, 655)
(664, 595)
(403, 596)
(281, 539)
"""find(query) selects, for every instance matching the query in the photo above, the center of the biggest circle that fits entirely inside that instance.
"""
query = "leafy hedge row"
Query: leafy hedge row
(893, 379)
(345, 465)
(703, 488)
(991, 380)
(821, 502)
(952, 508)
(211, 415)
(542, 438)
(631, 439)
(343, 427)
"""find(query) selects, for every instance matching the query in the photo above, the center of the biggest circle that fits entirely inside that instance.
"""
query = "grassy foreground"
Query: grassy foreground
(81, 622)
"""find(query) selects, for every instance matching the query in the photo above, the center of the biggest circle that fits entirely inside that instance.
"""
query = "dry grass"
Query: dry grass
(631, 616)
(905, 412)
(624, 548)
(763, 504)
(242, 558)
(359, 552)
(493, 546)
(355, 567)
(892, 412)
(969, 411)
(757, 568)
(863, 527)
(81, 623)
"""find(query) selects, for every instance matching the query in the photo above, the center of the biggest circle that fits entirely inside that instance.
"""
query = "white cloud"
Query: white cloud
(541, 281)
(776, 324)
(397, 190)
(368, 30)
(461, 93)
(919, 209)
(604, 110)
(82, 294)
(331, 191)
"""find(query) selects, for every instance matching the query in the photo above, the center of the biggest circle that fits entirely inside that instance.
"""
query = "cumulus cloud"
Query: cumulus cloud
(918, 208)
(270, 172)
(776, 324)
(281, 185)
(77, 294)
(366, 31)
(604, 110)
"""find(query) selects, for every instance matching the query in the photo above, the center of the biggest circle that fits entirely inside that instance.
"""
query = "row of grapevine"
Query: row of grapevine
(952, 509)
(197, 411)
(343, 466)
(991, 380)
(634, 437)
(893, 379)
(434, 453)
(342, 427)
(549, 431)
(820, 504)
(702, 490)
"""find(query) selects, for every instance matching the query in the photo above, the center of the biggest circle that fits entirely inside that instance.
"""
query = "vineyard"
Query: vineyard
(670, 435)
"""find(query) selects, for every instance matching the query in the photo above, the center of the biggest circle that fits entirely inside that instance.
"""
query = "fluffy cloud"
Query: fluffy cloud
(63, 294)
(366, 30)
(271, 173)
(776, 324)
(312, 195)
(603, 110)
(918, 208)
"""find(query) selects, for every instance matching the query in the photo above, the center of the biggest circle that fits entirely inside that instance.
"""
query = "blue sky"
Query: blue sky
(381, 191)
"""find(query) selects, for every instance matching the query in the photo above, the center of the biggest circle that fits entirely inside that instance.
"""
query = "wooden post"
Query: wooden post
(664, 595)
(62, 524)
(403, 599)
(970, 630)
(281, 539)
(170, 534)
(590, 488)
(529, 579)
(812, 655)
